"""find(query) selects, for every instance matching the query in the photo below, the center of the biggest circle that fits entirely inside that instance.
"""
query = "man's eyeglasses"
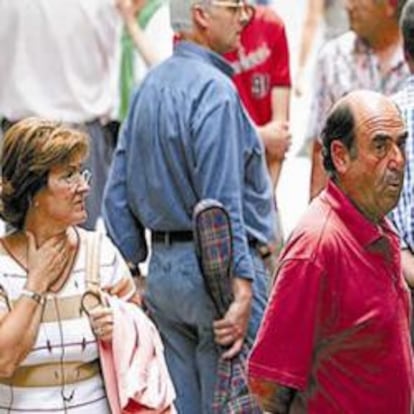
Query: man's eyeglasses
(228, 3)
(75, 178)
(231, 4)
(241, 7)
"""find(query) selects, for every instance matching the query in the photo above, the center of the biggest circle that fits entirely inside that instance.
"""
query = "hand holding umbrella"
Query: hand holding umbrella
(232, 298)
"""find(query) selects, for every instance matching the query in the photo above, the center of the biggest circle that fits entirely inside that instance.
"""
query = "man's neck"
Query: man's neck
(194, 37)
(386, 39)
(385, 46)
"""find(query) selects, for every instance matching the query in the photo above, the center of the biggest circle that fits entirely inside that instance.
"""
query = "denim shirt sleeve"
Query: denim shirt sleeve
(219, 171)
(123, 227)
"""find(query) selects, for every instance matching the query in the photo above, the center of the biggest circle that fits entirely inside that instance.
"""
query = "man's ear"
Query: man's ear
(200, 16)
(340, 156)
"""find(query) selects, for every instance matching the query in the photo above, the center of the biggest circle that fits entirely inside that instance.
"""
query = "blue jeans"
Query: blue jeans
(184, 313)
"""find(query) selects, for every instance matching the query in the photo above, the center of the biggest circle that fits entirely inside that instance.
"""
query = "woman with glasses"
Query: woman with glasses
(48, 345)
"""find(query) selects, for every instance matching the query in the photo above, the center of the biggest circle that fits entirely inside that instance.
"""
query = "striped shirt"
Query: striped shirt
(403, 215)
(64, 336)
(345, 64)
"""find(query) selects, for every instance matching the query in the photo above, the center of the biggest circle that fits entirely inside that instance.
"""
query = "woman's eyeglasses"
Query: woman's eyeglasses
(76, 177)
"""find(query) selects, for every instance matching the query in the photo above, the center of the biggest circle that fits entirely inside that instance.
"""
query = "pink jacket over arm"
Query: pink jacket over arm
(133, 365)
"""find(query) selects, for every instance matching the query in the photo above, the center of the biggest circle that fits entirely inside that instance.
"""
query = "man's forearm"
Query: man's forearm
(407, 261)
(272, 397)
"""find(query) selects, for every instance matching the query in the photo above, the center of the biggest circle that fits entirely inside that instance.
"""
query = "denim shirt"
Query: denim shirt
(186, 138)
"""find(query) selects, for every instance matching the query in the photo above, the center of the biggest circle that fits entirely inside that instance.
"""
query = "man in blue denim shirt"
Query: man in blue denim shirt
(186, 138)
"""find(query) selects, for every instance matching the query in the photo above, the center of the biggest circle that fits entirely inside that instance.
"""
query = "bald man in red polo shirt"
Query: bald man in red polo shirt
(335, 336)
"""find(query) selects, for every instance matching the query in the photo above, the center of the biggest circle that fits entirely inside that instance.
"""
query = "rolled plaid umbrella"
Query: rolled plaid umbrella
(213, 240)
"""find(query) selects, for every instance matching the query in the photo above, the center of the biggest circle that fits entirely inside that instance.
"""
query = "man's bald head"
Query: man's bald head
(349, 114)
(364, 150)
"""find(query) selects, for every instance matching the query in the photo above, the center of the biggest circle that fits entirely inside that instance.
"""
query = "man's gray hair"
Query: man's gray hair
(180, 13)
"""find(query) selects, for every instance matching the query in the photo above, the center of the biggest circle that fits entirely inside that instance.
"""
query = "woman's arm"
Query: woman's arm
(314, 15)
(18, 332)
(120, 284)
(19, 326)
(129, 10)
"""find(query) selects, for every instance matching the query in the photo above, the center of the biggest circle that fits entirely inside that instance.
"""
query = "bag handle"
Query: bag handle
(93, 249)
(92, 296)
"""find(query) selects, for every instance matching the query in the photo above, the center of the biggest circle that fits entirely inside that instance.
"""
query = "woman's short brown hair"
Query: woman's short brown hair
(30, 148)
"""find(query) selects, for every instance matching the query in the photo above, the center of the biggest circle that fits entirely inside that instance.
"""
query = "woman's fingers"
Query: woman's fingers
(101, 319)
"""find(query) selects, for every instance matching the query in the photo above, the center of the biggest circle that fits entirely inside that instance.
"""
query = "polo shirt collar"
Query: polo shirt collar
(191, 49)
(364, 230)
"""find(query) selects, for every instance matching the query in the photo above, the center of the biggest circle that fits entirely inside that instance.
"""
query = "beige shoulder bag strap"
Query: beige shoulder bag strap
(92, 295)
(93, 249)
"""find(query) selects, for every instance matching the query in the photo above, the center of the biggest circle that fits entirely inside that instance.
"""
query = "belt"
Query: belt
(168, 237)
(52, 375)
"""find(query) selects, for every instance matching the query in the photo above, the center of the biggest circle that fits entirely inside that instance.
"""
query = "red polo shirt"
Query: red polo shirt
(261, 63)
(337, 324)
